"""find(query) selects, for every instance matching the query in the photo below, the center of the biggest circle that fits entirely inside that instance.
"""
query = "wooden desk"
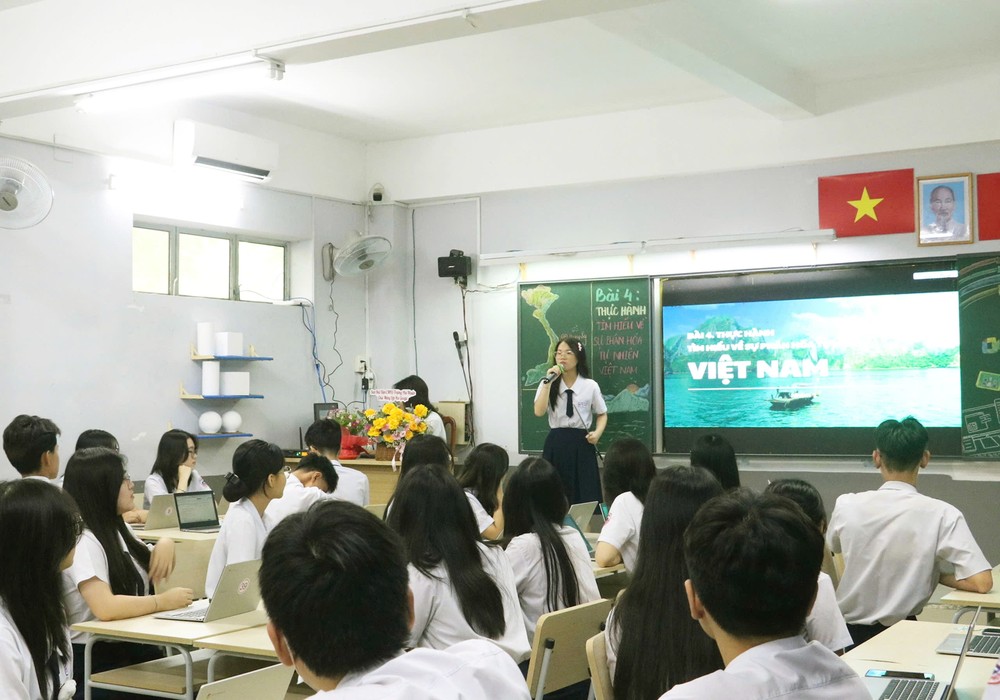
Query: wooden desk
(970, 601)
(251, 643)
(909, 646)
(177, 635)
(176, 535)
(381, 477)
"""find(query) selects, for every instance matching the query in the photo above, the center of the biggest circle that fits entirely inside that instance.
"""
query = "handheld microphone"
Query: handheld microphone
(552, 374)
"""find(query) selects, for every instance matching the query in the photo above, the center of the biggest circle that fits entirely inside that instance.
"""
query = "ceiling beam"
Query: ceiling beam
(681, 34)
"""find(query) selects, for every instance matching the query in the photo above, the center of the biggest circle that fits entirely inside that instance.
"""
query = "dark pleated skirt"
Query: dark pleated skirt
(576, 461)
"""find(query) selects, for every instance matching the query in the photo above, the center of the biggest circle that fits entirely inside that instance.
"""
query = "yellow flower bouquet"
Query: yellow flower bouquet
(391, 426)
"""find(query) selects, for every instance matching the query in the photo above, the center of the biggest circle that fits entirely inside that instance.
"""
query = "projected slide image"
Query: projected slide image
(813, 363)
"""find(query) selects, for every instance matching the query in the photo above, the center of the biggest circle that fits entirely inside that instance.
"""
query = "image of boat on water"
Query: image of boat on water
(791, 399)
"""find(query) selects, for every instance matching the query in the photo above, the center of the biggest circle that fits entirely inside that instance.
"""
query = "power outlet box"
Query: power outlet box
(360, 364)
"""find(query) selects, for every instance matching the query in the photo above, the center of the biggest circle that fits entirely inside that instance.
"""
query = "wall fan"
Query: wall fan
(25, 194)
(362, 255)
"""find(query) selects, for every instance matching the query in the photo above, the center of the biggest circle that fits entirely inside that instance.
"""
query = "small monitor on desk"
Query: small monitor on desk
(323, 410)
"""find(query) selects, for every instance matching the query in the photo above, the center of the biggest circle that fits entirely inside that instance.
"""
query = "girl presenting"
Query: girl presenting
(571, 400)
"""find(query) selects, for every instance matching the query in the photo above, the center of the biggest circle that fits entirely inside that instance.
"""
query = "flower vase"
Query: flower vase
(384, 452)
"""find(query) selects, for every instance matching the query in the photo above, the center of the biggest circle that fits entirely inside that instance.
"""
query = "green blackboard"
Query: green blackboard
(613, 318)
(979, 323)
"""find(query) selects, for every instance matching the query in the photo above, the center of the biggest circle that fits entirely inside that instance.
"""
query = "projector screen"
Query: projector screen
(809, 362)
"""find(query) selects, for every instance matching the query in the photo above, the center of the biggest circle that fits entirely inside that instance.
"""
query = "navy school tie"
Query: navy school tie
(569, 403)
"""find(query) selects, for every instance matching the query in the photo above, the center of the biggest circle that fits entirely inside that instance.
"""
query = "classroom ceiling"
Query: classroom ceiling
(392, 69)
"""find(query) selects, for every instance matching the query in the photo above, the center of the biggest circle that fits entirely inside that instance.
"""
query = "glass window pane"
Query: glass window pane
(150, 260)
(202, 266)
(262, 272)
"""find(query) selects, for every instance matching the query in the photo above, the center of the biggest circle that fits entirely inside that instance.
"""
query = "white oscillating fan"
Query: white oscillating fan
(363, 255)
(25, 194)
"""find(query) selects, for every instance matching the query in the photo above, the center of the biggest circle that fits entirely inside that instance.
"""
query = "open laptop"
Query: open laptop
(270, 683)
(582, 513)
(196, 511)
(886, 684)
(162, 513)
(238, 592)
(985, 644)
(570, 522)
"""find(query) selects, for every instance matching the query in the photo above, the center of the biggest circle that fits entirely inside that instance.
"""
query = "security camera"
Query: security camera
(377, 193)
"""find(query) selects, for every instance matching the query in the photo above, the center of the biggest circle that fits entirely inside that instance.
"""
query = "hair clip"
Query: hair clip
(579, 346)
(232, 478)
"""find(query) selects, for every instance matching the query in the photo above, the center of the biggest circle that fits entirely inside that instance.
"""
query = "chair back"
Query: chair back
(269, 683)
(451, 433)
(600, 674)
(559, 650)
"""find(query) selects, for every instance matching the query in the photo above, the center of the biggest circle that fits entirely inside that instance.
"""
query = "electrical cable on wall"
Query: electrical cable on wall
(413, 285)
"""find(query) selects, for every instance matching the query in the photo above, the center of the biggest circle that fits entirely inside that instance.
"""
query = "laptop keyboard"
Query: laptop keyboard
(909, 690)
(197, 614)
(986, 644)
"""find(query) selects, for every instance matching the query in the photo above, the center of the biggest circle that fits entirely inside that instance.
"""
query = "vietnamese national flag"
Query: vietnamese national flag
(988, 189)
(867, 204)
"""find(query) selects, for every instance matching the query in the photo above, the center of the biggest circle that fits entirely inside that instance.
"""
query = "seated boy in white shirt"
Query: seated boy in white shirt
(754, 561)
(897, 534)
(31, 445)
(312, 480)
(323, 438)
(336, 588)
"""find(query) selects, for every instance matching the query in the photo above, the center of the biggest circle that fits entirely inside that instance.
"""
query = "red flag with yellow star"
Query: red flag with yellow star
(867, 204)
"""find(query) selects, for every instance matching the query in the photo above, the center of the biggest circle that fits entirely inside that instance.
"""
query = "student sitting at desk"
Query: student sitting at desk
(420, 449)
(111, 571)
(896, 534)
(628, 469)
(714, 453)
(323, 438)
(462, 588)
(552, 568)
(421, 397)
(32, 446)
(95, 437)
(825, 622)
(258, 478)
(482, 478)
(753, 561)
(337, 562)
(652, 643)
(173, 470)
(312, 480)
(39, 526)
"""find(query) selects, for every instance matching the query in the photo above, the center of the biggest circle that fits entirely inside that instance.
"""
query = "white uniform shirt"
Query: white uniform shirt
(295, 499)
(825, 623)
(587, 403)
(17, 669)
(439, 622)
(621, 530)
(896, 543)
(525, 555)
(471, 670)
(89, 561)
(785, 668)
(240, 539)
(483, 519)
(154, 485)
(352, 485)
(435, 426)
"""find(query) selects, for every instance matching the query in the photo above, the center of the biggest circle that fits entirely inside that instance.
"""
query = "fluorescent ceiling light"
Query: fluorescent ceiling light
(510, 257)
(935, 275)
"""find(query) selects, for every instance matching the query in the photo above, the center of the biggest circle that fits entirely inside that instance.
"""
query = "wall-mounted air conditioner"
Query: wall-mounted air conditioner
(223, 149)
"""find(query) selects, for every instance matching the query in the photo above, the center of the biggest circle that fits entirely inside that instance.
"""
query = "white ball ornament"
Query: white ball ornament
(210, 422)
(231, 422)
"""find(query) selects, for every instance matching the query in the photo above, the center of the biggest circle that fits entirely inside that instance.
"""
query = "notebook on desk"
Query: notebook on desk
(196, 511)
(900, 684)
(162, 513)
(238, 592)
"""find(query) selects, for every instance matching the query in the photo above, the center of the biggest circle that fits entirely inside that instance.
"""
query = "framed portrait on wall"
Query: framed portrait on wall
(944, 209)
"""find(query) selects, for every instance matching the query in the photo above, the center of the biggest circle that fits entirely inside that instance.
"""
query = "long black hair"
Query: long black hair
(253, 462)
(716, 454)
(420, 449)
(171, 453)
(432, 515)
(39, 526)
(628, 466)
(483, 472)
(649, 661)
(534, 501)
(415, 383)
(582, 367)
(94, 477)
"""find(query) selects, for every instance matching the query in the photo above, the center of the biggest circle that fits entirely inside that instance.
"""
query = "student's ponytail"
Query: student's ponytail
(253, 462)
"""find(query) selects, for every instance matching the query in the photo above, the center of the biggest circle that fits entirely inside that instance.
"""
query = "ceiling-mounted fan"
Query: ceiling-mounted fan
(25, 194)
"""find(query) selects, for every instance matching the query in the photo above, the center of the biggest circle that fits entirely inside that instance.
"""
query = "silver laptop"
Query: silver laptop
(270, 683)
(162, 513)
(196, 511)
(569, 522)
(238, 592)
(883, 684)
(986, 644)
(582, 513)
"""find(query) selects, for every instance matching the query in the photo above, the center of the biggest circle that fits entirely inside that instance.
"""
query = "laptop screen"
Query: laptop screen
(196, 508)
